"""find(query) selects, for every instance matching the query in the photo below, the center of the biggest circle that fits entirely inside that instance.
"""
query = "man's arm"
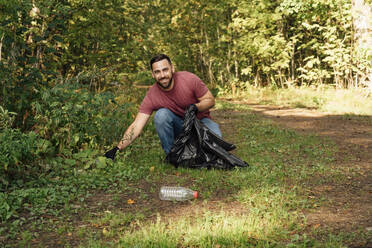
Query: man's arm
(133, 130)
(205, 102)
(130, 134)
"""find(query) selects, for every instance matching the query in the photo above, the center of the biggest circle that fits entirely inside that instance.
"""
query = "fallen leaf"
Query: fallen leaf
(130, 201)
(152, 168)
(105, 232)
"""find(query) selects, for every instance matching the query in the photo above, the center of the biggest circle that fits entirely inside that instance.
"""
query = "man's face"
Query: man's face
(162, 72)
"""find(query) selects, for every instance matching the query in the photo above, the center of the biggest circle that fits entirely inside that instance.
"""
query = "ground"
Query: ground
(348, 207)
(351, 202)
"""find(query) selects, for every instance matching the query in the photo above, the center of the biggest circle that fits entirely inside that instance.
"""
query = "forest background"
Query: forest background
(68, 69)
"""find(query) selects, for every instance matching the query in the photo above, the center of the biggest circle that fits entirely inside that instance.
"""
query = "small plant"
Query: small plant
(6, 118)
(18, 152)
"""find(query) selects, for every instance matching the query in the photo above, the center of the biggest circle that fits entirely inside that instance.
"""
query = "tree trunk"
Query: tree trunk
(362, 42)
(236, 65)
(1, 45)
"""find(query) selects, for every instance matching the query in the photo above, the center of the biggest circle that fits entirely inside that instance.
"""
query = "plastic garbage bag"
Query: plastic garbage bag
(198, 147)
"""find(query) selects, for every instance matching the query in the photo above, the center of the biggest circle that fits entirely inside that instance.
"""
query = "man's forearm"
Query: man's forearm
(133, 130)
(128, 137)
(205, 104)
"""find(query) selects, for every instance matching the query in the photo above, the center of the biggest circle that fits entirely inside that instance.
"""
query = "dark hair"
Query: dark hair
(159, 57)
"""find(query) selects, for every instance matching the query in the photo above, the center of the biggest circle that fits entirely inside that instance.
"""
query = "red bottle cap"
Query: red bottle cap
(196, 195)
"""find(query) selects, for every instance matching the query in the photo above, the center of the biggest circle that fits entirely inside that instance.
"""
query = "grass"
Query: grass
(261, 205)
(324, 98)
(79, 203)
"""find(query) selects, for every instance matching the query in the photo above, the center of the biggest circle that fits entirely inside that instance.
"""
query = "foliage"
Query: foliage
(6, 118)
(19, 153)
(44, 40)
(66, 182)
(72, 117)
(263, 53)
(143, 78)
(261, 42)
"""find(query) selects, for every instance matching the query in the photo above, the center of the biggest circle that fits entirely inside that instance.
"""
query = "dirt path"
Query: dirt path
(350, 207)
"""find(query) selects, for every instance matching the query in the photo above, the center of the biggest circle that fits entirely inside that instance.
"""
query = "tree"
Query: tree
(363, 44)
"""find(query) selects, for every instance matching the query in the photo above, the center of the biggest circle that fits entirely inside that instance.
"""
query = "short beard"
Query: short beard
(168, 85)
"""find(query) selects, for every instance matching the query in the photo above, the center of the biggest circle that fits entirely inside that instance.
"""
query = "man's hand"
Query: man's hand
(193, 108)
(111, 153)
(206, 102)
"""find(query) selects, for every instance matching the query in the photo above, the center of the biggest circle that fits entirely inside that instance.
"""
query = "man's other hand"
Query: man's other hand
(111, 153)
(193, 108)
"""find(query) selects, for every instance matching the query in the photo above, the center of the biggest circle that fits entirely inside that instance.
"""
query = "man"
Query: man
(170, 96)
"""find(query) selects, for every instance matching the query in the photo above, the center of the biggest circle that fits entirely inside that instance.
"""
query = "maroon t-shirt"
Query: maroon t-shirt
(186, 90)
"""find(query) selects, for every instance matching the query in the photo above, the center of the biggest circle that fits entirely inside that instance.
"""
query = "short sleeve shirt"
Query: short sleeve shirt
(186, 90)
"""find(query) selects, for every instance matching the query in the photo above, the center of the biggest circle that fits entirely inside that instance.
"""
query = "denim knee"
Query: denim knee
(212, 126)
(162, 116)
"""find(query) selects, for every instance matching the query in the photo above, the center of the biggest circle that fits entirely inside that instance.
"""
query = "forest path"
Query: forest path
(350, 207)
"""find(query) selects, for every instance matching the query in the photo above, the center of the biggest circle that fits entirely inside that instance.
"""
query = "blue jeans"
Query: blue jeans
(169, 126)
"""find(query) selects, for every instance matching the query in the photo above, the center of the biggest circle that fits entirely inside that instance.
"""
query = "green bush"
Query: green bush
(18, 150)
(143, 78)
(72, 118)
(18, 154)
(6, 118)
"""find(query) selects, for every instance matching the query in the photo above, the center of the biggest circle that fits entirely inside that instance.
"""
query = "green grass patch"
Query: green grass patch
(325, 98)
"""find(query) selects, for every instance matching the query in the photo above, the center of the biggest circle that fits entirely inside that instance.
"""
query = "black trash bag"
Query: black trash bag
(198, 147)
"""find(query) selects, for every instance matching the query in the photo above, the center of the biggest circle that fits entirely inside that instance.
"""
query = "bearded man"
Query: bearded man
(170, 96)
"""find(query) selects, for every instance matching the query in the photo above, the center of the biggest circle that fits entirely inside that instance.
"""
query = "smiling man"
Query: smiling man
(170, 96)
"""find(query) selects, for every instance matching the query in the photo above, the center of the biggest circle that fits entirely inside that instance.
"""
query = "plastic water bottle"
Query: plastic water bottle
(168, 193)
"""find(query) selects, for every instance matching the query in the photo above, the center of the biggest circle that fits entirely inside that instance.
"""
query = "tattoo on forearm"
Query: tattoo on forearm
(128, 136)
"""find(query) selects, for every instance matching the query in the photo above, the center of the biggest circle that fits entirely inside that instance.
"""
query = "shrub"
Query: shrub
(73, 118)
(6, 118)
(18, 153)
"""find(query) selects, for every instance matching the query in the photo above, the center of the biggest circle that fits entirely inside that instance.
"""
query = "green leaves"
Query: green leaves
(6, 118)
(257, 42)
(71, 117)
(101, 162)
(18, 153)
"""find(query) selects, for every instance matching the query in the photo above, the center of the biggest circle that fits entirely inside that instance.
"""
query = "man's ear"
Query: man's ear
(172, 68)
